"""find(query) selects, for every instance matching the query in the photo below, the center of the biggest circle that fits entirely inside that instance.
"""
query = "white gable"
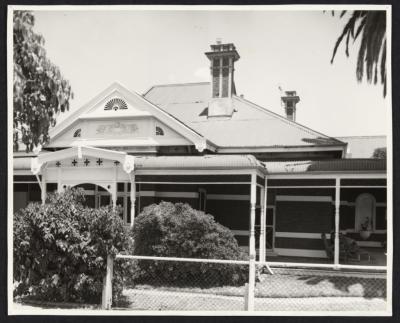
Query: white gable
(117, 131)
(120, 118)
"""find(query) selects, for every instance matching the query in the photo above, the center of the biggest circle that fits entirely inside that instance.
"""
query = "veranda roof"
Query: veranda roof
(198, 162)
(22, 163)
(176, 162)
(333, 166)
(244, 162)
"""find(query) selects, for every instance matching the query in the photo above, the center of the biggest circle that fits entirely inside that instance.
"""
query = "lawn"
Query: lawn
(286, 290)
(288, 283)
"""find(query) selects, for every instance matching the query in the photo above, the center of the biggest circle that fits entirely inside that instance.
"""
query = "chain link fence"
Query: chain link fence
(293, 287)
(172, 284)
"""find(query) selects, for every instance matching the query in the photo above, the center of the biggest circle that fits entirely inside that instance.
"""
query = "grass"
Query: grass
(297, 284)
(286, 290)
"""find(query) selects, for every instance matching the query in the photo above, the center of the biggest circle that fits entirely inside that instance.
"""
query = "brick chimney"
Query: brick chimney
(222, 58)
(289, 101)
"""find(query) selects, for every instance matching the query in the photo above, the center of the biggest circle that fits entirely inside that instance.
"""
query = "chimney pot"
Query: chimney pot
(289, 101)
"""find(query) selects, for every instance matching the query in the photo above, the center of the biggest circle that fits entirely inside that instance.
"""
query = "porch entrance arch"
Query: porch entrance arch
(98, 170)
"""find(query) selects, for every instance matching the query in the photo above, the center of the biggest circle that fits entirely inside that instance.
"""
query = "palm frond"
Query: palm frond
(371, 59)
(347, 30)
(383, 68)
(360, 27)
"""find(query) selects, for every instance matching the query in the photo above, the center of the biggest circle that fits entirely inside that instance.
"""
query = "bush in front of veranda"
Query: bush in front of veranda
(178, 230)
(60, 249)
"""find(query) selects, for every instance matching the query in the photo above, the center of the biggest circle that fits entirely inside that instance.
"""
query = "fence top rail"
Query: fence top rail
(200, 260)
(246, 262)
(324, 266)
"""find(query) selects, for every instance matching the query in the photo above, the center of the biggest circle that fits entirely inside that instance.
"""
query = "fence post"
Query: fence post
(246, 297)
(106, 297)
(252, 245)
(336, 248)
(251, 285)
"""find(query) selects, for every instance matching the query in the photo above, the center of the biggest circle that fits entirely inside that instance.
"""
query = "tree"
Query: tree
(371, 60)
(40, 91)
(379, 153)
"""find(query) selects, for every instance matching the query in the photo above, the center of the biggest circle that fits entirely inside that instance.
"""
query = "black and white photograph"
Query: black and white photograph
(207, 160)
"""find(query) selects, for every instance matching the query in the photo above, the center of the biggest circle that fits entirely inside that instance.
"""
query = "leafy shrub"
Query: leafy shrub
(60, 249)
(177, 230)
(379, 153)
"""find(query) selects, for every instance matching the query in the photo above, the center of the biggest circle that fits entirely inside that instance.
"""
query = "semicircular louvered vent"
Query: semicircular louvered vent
(77, 133)
(159, 131)
(116, 104)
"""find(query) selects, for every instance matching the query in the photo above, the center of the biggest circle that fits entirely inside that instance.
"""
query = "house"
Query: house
(261, 174)
(363, 146)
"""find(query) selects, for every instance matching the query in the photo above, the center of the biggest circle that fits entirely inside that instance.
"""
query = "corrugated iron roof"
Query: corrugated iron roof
(334, 165)
(249, 126)
(178, 162)
(197, 162)
(178, 93)
(22, 163)
(242, 162)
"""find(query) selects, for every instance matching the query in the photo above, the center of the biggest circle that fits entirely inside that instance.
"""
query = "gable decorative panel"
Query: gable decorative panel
(116, 104)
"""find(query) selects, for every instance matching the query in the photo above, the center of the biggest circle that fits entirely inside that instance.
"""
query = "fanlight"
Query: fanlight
(116, 104)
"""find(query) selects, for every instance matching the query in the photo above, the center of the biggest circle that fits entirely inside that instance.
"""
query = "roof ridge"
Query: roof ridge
(173, 84)
(180, 84)
(283, 119)
(183, 83)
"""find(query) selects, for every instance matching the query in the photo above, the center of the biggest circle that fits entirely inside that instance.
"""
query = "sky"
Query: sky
(287, 49)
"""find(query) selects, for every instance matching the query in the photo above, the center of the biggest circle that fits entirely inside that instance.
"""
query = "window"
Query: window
(77, 133)
(365, 212)
(159, 131)
(202, 199)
